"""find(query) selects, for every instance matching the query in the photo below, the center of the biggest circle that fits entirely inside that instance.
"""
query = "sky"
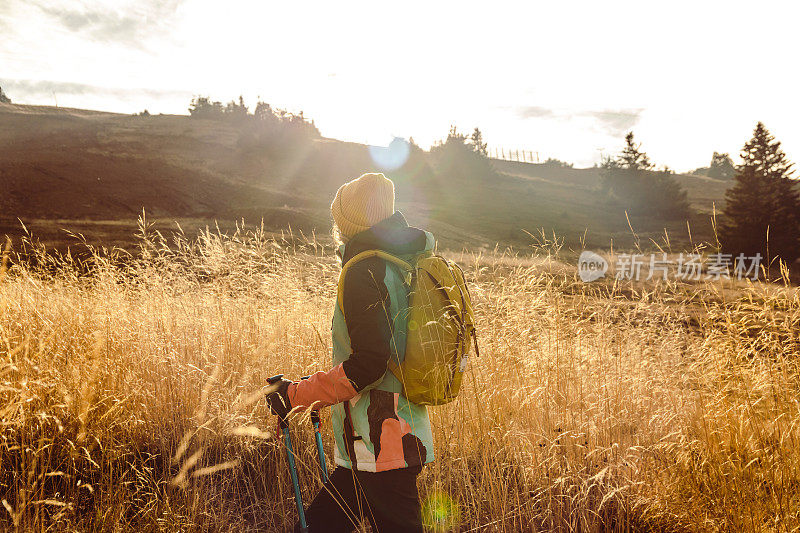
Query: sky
(563, 79)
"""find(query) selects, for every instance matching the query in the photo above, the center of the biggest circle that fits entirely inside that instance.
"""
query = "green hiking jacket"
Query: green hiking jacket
(385, 430)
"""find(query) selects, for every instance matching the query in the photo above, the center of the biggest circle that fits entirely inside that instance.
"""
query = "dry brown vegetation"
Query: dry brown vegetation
(130, 398)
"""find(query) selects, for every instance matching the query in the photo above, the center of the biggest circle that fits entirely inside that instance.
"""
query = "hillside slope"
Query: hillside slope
(85, 169)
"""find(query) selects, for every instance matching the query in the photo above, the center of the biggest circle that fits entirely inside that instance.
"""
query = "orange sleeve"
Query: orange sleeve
(322, 389)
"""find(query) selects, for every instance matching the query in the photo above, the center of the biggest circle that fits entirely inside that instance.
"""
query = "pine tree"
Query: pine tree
(204, 107)
(454, 138)
(476, 140)
(632, 157)
(721, 166)
(264, 112)
(462, 157)
(762, 211)
(630, 182)
(236, 112)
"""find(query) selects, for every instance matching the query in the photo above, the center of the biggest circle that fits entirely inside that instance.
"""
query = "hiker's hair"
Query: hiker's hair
(338, 238)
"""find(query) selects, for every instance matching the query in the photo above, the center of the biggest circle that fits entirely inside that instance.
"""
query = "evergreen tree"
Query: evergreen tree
(476, 140)
(721, 166)
(3, 98)
(630, 182)
(762, 213)
(632, 157)
(268, 130)
(454, 138)
(264, 112)
(462, 157)
(236, 112)
(204, 107)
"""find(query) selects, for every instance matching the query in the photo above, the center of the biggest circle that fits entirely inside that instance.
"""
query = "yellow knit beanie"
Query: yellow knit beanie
(362, 203)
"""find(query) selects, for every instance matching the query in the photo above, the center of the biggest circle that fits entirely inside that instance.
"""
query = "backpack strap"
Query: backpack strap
(404, 265)
(366, 255)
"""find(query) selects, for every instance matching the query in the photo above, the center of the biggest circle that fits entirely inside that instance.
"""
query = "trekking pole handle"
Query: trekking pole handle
(273, 380)
(287, 438)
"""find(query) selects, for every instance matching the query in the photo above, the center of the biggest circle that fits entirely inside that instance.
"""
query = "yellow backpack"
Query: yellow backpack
(441, 327)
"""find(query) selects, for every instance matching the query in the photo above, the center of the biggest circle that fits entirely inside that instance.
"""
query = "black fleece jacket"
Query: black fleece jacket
(366, 299)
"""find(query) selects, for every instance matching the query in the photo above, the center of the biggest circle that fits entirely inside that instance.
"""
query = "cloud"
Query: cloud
(534, 112)
(129, 27)
(5, 17)
(32, 89)
(99, 26)
(614, 122)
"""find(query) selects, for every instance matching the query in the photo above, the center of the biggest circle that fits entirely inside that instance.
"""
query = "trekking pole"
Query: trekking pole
(318, 436)
(320, 450)
(287, 439)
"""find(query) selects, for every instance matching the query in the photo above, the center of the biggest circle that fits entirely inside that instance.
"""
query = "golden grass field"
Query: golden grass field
(131, 398)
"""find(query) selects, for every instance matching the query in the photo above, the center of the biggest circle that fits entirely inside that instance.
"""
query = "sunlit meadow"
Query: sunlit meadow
(131, 394)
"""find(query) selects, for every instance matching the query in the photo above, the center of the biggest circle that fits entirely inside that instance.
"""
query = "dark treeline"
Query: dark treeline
(266, 128)
(762, 211)
(762, 214)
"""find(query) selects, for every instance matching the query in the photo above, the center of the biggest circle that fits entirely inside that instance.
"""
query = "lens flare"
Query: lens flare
(391, 157)
(440, 513)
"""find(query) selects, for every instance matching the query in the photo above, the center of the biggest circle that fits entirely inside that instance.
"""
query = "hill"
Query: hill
(94, 173)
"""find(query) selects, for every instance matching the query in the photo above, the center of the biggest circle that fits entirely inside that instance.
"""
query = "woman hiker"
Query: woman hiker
(382, 439)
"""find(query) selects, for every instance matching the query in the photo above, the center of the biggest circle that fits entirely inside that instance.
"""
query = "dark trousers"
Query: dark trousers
(388, 500)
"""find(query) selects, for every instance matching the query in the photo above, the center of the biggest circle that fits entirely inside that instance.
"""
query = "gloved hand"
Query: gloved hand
(278, 400)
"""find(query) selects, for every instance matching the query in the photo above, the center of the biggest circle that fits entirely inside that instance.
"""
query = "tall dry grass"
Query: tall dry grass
(131, 395)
